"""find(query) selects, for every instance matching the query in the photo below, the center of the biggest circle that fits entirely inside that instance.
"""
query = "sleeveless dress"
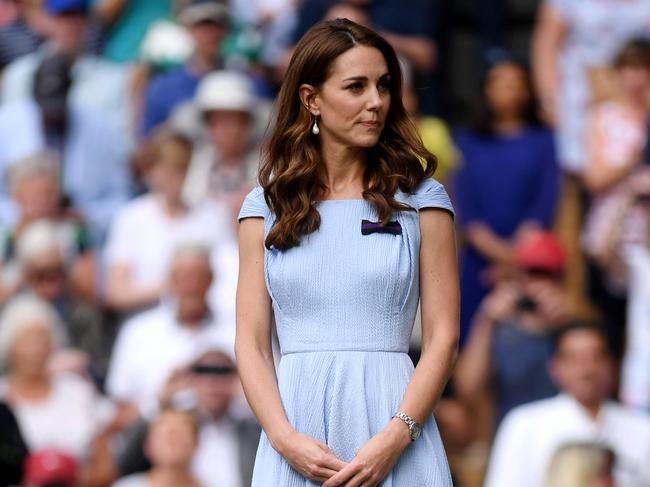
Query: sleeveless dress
(344, 306)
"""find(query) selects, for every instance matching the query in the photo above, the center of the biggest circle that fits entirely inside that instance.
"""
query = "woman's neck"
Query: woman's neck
(343, 171)
(26, 386)
(172, 206)
(508, 124)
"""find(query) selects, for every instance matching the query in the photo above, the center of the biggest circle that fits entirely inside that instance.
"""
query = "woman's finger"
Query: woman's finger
(347, 473)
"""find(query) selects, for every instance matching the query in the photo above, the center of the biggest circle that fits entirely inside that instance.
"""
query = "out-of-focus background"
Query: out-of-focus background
(130, 133)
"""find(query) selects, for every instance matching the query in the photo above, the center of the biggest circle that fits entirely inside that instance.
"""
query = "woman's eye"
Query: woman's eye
(384, 85)
(355, 87)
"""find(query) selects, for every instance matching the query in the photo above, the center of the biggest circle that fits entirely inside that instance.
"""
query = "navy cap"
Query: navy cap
(62, 6)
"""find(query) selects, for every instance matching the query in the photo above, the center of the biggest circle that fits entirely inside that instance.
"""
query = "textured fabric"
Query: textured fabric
(344, 306)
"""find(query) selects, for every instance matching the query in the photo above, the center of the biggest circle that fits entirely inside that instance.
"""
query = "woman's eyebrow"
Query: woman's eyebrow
(364, 78)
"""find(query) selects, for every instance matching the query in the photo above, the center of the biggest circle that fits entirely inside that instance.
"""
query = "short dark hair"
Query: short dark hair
(635, 53)
(580, 325)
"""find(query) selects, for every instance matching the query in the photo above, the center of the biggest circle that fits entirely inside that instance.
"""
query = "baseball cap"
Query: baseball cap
(63, 6)
(225, 90)
(204, 10)
(49, 466)
(541, 251)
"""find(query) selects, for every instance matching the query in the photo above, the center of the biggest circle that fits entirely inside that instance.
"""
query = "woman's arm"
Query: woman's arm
(487, 243)
(440, 316)
(311, 458)
(548, 36)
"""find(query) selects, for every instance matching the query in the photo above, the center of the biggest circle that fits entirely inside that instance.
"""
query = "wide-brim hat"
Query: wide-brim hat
(204, 11)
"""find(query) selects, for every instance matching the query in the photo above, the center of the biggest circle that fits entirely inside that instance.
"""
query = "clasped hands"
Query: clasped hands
(373, 461)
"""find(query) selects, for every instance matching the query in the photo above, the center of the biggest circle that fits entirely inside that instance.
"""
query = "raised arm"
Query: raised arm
(548, 36)
(440, 316)
(308, 456)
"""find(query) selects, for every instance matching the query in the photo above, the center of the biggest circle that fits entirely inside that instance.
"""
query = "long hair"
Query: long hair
(291, 160)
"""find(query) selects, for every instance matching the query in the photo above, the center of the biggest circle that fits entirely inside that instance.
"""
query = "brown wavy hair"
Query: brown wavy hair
(291, 160)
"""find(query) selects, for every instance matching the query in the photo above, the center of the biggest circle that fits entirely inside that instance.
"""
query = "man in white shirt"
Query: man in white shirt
(153, 344)
(582, 367)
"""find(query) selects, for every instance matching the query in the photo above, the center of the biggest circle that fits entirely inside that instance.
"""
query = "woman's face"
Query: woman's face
(506, 90)
(31, 349)
(353, 102)
(171, 440)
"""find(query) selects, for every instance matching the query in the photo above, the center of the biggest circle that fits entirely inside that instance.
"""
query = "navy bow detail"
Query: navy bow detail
(368, 227)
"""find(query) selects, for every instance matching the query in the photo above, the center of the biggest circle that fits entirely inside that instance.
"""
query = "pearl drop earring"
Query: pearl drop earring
(314, 129)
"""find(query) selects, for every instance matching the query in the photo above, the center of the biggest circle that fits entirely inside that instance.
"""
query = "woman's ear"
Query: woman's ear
(309, 98)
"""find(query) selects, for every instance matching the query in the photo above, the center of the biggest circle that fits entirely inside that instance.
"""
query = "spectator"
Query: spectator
(54, 410)
(44, 271)
(211, 385)
(137, 269)
(171, 441)
(128, 22)
(507, 154)
(510, 341)
(13, 448)
(34, 186)
(617, 139)
(169, 336)
(581, 465)
(207, 21)
(582, 367)
(225, 168)
(89, 144)
(571, 43)
(96, 83)
(19, 34)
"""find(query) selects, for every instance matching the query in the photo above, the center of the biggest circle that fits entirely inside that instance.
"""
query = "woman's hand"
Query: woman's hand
(310, 457)
(375, 458)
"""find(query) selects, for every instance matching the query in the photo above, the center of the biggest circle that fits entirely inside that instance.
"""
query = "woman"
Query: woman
(343, 237)
(53, 410)
(171, 441)
(508, 182)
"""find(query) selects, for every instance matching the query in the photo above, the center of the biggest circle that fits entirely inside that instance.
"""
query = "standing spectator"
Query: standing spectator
(54, 410)
(207, 22)
(225, 168)
(89, 144)
(506, 154)
(171, 441)
(510, 341)
(137, 269)
(96, 83)
(572, 42)
(170, 335)
(529, 436)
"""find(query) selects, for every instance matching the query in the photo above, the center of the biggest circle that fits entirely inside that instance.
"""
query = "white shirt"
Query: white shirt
(67, 419)
(150, 346)
(530, 435)
(216, 459)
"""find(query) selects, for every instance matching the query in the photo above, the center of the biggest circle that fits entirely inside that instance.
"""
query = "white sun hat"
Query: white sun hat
(226, 90)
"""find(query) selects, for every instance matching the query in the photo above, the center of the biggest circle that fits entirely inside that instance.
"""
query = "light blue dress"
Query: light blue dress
(344, 306)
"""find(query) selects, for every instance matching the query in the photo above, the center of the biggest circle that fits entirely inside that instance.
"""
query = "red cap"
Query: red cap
(541, 251)
(48, 466)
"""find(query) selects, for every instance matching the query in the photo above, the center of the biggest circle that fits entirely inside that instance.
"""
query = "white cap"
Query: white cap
(225, 90)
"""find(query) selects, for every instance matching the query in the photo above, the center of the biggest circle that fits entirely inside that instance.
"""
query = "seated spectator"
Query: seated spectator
(207, 22)
(97, 84)
(54, 410)
(510, 342)
(507, 154)
(529, 436)
(225, 168)
(170, 444)
(44, 273)
(34, 186)
(137, 268)
(50, 467)
(211, 386)
(90, 145)
(581, 465)
(170, 335)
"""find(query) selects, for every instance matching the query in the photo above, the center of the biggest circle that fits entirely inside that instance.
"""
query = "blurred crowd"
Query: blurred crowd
(129, 136)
